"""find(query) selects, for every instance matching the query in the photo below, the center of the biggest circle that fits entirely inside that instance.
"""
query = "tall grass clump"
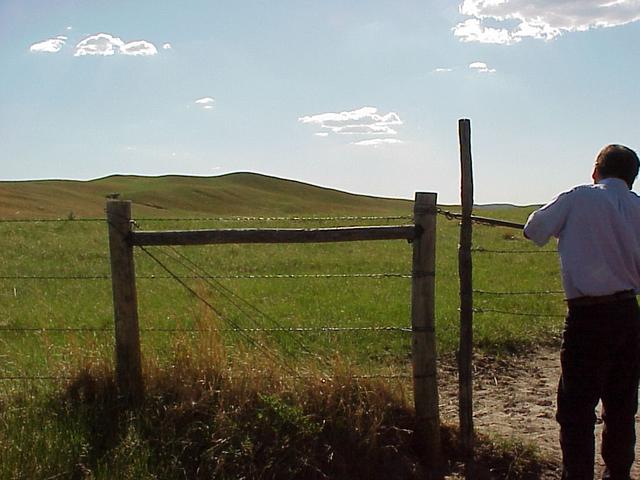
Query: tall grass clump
(216, 412)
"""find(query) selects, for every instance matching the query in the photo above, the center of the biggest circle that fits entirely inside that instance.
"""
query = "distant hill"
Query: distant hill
(242, 194)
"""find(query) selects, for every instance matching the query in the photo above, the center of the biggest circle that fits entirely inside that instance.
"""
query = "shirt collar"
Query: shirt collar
(613, 182)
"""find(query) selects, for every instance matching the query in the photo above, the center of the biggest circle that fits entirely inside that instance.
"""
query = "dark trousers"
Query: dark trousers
(600, 360)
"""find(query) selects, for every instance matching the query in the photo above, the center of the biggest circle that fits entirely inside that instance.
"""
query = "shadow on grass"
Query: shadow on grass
(205, 423)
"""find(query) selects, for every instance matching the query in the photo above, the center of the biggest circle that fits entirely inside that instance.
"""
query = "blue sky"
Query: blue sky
(359, 95)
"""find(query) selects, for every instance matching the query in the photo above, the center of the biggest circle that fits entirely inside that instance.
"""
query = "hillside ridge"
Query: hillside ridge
(237, 193)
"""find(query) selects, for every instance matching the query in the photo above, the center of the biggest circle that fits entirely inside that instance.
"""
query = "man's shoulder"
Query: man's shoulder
(585, 190)
(594, 195)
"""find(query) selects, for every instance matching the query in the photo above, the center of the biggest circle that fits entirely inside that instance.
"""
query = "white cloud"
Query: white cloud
(540, 19)
(105, 44)
(472, 31)
(365, 120)
(139, 48)
(376, 142)
(166, 46)
(51, 45)
(206, 103)
(100, 44)
(69, 27)
(321, 134)
(481, 67)
(443, 70)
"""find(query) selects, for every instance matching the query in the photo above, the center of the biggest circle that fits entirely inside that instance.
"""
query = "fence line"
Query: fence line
(515, 252)
(371, 376)
(215, 219)
(530, 292)
(493, 222)
(248, 276)
(227, 293)
(268, 352)
(517, 314)
(329, 329)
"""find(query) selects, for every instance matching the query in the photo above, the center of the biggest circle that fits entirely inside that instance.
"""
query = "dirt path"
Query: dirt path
(517, 398)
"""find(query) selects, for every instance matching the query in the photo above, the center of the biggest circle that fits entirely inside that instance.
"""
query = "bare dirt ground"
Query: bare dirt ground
(516, 397)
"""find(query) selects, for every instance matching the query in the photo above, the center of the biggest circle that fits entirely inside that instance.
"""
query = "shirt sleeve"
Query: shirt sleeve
(548, 221)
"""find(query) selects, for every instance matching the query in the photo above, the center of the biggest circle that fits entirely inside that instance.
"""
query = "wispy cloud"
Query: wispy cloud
(481, 67)
(471, 30)
(51, 45)
(442, 70)
(206, 103)
(377, 142)
(539, 19)
(365, 120)
(105, 44)
(139, 48)
(167, 46)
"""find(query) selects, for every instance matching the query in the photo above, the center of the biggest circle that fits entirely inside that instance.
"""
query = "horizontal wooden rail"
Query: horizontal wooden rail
(284, 235)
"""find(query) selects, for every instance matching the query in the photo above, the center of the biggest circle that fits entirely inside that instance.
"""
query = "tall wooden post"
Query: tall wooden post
(423, 325)
(465, 354)
(125, 303)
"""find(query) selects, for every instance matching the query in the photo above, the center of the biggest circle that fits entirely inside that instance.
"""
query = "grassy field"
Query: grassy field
(34, 308)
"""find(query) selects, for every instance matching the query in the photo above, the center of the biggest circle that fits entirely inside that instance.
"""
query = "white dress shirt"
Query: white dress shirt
(598, 227)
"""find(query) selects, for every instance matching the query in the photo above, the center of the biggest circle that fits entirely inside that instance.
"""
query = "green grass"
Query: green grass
(78, 248)
(200, 420)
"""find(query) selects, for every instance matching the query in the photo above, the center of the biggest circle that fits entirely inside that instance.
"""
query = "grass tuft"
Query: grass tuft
(209, 414)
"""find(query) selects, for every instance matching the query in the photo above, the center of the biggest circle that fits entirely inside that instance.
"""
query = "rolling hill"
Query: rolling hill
(242, 194)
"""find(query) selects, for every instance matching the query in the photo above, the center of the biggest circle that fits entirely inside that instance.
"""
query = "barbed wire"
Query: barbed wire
(446, 213)
(36, 377)
(282, 219)
(55, 329)
(236, 300)
(529, 292)
(487, 250)
(273, 355)
(337, 329)
(248, 276)
(492, 222)
(295, 376)
(50, 220)
(517, 314)
(218, 219)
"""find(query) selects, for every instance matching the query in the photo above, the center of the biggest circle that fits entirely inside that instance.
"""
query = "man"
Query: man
(598, 227)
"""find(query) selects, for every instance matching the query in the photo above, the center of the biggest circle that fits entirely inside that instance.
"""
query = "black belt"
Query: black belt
(601, 299)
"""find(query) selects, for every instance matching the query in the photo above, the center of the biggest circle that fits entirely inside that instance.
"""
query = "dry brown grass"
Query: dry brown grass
(218, 414)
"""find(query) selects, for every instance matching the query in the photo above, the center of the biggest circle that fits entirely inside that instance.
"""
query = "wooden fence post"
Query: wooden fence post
(125, 303)
(465, 354)
(423, 326)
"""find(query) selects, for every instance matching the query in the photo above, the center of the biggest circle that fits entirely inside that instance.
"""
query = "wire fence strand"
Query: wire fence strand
(233, 297)
(517, 314)
(514, 252)
(247, 276)
(326, 329)
(219, 219)
(529, 292)
(371, 376)
(273, 355)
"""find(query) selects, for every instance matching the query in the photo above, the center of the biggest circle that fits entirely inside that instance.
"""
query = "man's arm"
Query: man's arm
(548, 221)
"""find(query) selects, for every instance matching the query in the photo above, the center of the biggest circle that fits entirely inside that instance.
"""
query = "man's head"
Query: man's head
(616, 161)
